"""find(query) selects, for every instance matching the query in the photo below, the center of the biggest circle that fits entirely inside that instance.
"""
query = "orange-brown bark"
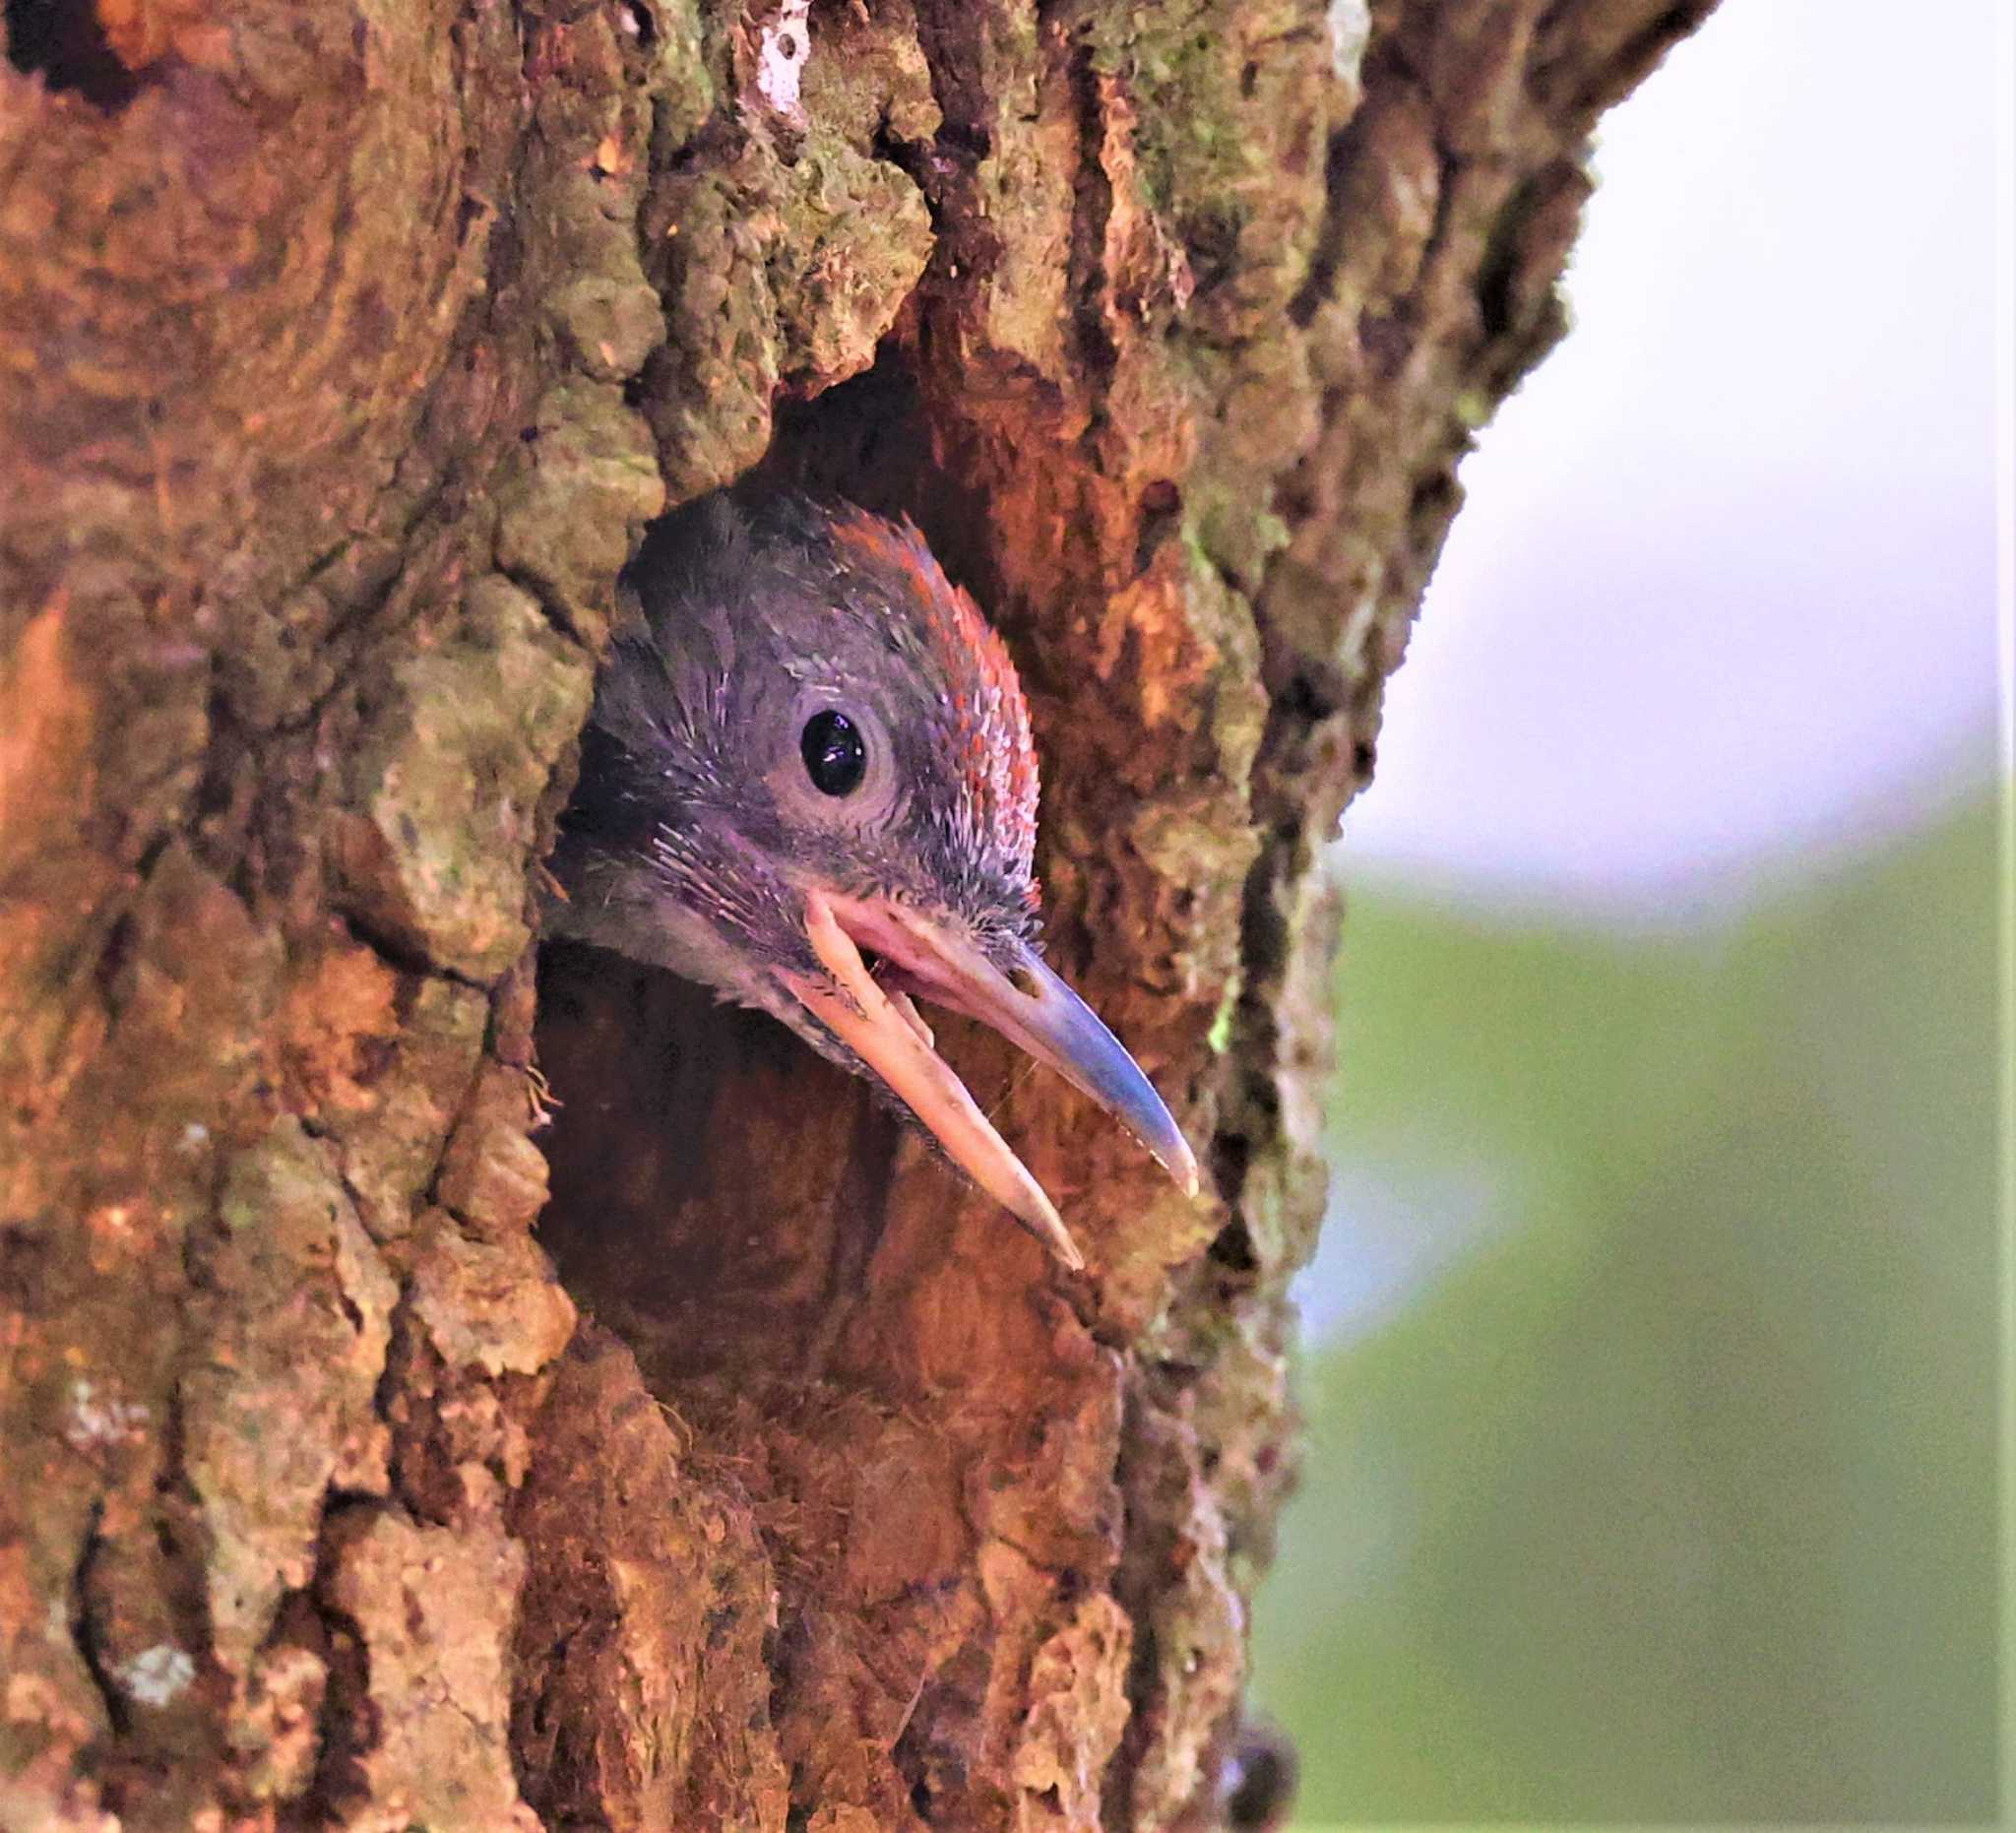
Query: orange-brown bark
(356, 1471)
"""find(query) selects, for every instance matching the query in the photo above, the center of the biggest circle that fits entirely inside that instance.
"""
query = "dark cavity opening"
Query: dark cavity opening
(62, 42)
(717, 1187)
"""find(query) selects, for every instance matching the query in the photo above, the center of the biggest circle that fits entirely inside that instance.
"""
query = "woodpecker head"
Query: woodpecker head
(808, 783)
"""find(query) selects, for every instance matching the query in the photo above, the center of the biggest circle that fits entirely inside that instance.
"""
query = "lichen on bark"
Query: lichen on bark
(344, 350)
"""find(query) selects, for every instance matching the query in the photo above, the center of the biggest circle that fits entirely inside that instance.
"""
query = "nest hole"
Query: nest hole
(64, 42)
(717, 1188)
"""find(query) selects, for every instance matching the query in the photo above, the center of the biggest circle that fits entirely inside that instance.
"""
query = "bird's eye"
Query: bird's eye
(835, 757)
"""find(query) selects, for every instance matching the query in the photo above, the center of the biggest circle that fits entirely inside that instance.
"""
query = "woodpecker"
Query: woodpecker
(808, 783)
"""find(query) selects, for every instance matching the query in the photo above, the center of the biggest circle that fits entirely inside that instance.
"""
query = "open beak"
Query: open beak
(1028, 1004)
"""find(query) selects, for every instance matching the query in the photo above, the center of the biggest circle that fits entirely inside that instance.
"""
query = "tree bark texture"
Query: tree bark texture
(441, 1388)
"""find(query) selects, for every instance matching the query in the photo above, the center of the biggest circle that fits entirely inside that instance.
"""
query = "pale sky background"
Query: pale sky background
(1720, 606)
(1723, 594)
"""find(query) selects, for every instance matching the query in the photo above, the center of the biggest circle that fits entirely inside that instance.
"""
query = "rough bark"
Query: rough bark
(345, 347)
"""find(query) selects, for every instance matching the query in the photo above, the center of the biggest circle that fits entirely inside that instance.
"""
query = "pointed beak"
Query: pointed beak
(1026, 1002)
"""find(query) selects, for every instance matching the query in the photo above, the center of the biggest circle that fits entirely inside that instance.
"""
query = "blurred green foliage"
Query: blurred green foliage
(1674, 1498)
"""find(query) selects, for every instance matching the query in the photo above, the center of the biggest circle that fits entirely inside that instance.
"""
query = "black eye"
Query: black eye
(835, 757)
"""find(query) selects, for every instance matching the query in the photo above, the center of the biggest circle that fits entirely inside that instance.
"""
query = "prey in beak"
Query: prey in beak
(875, 1017)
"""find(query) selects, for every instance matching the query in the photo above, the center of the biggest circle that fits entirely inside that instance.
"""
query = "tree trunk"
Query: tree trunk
(345, 346)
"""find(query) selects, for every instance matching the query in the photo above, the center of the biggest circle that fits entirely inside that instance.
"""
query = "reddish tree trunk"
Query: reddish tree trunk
(758, 1469)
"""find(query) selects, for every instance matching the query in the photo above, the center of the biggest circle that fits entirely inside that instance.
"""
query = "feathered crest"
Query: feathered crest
(988, 717)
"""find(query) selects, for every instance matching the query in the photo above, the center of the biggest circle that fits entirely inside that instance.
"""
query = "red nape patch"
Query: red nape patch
(995, 754)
